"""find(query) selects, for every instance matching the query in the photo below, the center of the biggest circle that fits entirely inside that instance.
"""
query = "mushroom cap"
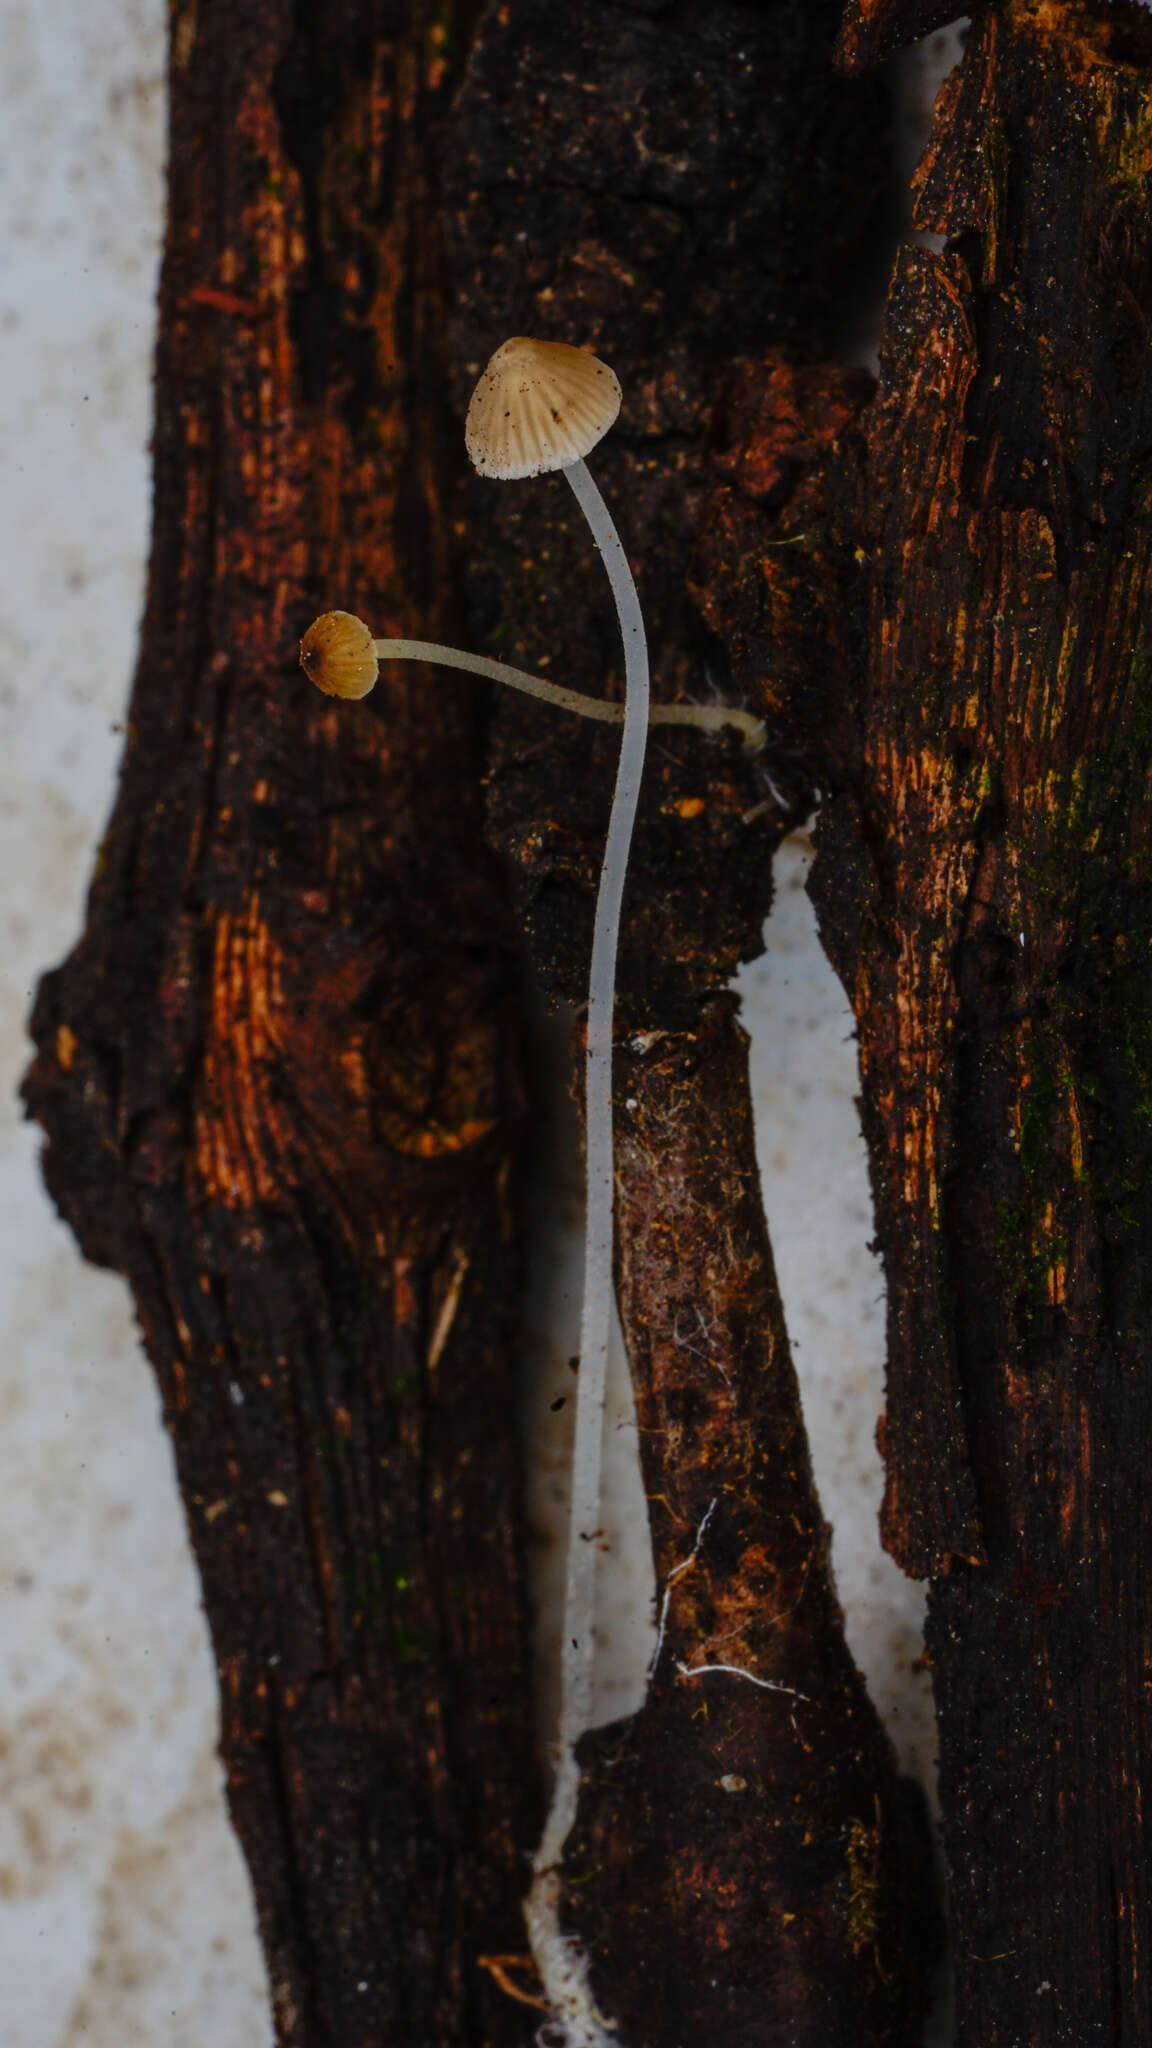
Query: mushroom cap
(539, 405)
(338, 654)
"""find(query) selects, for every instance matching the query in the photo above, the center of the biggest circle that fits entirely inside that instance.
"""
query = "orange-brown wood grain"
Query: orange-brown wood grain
(980, 569)
(279, 1074)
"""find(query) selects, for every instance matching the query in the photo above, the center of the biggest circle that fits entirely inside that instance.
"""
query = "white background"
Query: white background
(125, 1915)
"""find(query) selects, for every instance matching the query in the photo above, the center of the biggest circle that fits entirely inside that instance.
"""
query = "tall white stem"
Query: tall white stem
(561, 1968)
(576, 1694)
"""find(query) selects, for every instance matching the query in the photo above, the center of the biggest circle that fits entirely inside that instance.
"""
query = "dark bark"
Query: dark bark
(279, 1074)
(979, 556)
(873, 28)
(747, 1865)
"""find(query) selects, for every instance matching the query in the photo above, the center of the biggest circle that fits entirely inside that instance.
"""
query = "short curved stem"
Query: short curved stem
(708, 717)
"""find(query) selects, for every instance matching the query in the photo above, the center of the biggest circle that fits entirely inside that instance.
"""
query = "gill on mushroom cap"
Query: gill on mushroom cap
(539, 406)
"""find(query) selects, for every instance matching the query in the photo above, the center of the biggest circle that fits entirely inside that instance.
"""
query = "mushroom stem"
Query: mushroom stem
(576, 1695)
(561, 1971)
(709, 717)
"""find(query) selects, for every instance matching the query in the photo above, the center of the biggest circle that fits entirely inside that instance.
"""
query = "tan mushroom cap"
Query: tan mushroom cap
(539, 405)
(338, 653)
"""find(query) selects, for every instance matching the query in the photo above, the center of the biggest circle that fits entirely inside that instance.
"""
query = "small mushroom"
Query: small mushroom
(539, 406)
(542, 406)
(339, 654)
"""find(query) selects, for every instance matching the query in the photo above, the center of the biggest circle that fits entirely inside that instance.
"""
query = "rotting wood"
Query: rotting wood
(872, 29)
(753, 1805)
(279, 1074)
(634, 212)
(980, 566)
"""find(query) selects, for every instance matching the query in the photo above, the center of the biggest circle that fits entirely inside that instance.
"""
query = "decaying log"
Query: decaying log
(279, 1074)
(746, 1865)
(976, 563)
